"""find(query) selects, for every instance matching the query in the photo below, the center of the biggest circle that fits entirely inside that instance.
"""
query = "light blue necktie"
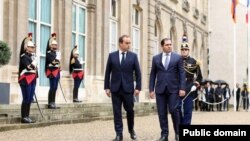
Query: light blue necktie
(166, 61)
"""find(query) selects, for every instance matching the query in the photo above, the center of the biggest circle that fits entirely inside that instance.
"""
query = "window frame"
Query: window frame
(38, 25)
(136, 27)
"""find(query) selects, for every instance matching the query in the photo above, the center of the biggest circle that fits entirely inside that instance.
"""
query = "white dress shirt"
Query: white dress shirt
(164, 55)
(120, 55)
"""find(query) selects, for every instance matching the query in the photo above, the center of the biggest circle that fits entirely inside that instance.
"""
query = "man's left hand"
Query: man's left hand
(182, 93)
(137, 92)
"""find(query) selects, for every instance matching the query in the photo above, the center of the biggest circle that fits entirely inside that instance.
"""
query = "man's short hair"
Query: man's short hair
(165, 39)
(122, 37)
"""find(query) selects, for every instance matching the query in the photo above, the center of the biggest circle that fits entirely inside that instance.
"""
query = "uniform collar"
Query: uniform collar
(185, 58)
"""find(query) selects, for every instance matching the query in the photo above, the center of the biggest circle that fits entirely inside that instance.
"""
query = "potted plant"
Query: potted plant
(5, 53)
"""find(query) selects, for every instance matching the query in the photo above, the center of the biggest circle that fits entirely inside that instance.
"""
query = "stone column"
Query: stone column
(1, 20)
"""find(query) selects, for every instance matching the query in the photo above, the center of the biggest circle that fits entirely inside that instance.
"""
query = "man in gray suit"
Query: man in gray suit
(167, 80)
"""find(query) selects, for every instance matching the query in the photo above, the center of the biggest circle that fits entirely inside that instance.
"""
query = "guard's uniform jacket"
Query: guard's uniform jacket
(52, 64)
(77, 69)
(26, 74)
(192, 68)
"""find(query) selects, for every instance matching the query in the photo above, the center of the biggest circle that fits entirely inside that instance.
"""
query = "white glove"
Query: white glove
(193, 88)
(34, 63)
(58, 55)
(33, 56)
(81, 61)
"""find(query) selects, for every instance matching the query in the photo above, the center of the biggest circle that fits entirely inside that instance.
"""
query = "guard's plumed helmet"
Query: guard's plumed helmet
(30, 44)
(184, 44)
(53, 42)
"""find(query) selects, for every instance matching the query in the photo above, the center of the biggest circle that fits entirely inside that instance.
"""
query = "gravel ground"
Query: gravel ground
(147, 128)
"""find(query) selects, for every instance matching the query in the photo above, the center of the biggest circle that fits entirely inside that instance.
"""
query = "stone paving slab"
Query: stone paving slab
(146, 127)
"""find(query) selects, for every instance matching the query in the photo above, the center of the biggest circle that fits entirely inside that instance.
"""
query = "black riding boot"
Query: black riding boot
(75, 95)
(24, 113)
(28, 113)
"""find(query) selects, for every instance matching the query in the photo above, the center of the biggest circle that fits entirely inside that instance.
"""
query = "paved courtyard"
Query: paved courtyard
(147, 128)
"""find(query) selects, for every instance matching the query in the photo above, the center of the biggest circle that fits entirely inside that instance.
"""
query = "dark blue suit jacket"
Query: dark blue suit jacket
(173, 78)
(117, 74)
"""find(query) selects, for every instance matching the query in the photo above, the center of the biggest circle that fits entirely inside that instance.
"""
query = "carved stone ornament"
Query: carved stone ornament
(158, 9)
(138, 2)
(195, 34)
(203, 19)
(175, 1)
(196, 13)
(186, 6)
(172, 19)
(184, 24)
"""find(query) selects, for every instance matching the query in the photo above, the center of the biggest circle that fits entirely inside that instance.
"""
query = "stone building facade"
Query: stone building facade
(95, 25)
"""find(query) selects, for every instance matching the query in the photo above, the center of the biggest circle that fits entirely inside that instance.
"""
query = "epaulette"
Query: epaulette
(49, 51)
(72, 61)
(198, 62)
(22, 55)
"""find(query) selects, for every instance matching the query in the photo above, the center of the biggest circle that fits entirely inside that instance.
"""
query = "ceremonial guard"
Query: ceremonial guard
(52, 69)
(76, 69)
(193, 78)
(27, 75)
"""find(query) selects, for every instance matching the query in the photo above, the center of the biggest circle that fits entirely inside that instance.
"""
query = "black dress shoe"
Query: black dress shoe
(53, 106)
(163, 138)
(25, 120)
(77, 101)
(31, 121)
(118, 138)
(176, 137)
(133, 135)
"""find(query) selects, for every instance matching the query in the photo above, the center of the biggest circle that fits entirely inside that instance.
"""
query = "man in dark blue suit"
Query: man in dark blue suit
(122, 66)
(167, 80)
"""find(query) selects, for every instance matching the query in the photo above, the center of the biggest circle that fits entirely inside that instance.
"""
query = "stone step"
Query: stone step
(10, 115)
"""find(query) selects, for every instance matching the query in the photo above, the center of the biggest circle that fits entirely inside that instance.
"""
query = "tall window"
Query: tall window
(156, 40)
(113, 22)
(40, 26)
(79, 29)
(136, 32)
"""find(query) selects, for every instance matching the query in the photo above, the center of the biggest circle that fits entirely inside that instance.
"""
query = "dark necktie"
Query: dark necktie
(123, 58)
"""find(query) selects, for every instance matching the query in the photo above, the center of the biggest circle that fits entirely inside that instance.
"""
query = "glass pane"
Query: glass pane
(136, 39)
(73, 40)
(73, 18)
(136, 17)
(156, 34)
(113, 48)
(46, 11)
(113, 7)
(81, 45)
(113, 35)
(44, 81)
(32, 28)
(113, 32)
(32, 9)
(81, 20)
(44, 37)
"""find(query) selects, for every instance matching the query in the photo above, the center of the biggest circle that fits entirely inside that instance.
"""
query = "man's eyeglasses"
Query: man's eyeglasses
(184, 49)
